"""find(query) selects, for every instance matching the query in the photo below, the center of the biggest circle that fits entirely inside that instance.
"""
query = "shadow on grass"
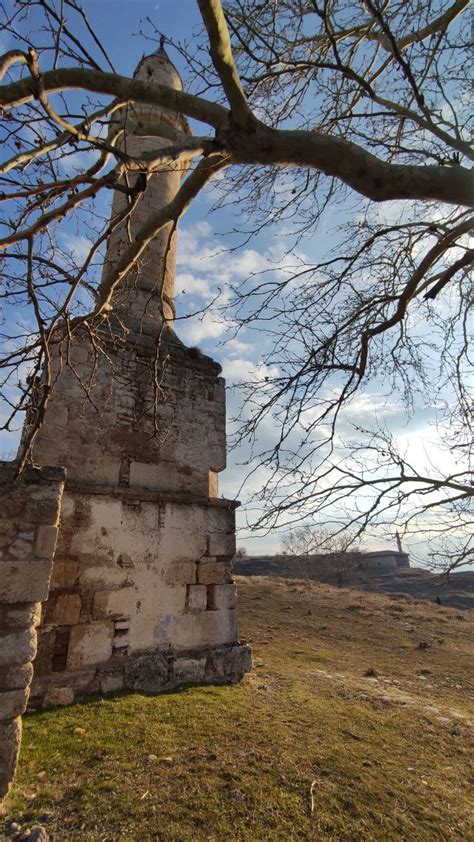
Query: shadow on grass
(91, 700)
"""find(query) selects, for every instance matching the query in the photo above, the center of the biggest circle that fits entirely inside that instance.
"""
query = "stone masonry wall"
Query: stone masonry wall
(131, 433)
(140, 578)
(143, 563)
(29, 515)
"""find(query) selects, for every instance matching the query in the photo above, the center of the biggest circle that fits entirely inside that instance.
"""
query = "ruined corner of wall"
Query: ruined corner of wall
(29, 517)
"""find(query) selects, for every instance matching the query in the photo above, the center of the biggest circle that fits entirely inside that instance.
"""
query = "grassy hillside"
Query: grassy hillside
(457, 592)
(354, 725)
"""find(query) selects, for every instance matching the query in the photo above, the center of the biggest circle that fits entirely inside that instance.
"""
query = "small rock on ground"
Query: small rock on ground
(37, 834)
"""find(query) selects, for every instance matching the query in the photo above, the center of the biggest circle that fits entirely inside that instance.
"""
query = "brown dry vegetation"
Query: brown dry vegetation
(362, 700)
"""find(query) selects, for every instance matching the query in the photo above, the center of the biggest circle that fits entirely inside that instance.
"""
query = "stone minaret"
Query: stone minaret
(148, 290)
(141, 593)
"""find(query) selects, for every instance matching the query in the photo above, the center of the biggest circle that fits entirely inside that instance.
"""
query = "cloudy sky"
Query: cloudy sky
(207, 267)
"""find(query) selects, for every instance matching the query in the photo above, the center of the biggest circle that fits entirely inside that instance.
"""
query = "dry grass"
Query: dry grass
(378, 757)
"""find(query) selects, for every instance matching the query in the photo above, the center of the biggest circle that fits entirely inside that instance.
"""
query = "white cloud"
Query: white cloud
(366, 403)
(77, 162)
(187, 283)
(236, 346)
(9, 445)
(236, 370)
(76, 245)
(200, 328)
(425, 451)
(202, 252)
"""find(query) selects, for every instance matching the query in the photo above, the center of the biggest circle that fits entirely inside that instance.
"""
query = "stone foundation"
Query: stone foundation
(149, 672)
(138, 575)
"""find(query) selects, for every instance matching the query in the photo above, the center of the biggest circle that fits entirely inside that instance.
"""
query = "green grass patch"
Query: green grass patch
(294, 752)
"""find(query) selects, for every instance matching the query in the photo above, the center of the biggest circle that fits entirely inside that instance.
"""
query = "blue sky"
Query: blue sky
(205, 266)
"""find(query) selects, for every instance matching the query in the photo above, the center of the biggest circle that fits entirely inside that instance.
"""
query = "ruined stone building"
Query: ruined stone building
(141, 594)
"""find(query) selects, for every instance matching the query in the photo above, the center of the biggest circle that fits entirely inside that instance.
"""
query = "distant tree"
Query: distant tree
(241, 552)
(318, 554)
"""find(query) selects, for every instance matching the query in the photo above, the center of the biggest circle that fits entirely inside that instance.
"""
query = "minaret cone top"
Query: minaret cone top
(154, 60)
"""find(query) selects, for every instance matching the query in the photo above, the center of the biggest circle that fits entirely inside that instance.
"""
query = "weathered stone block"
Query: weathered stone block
(222, 543)
(20, 615)
(10, 738)
(184, 533)
(85, 682)
(67, 610)
(90, 644)
(64, 574)
(42, 492)
(44, 658)
(58, 697)
(8, 531)
(13, 703)
(48, 609)
(193, 630)
(41, 511)
(13, 507)
(102, 576)
(190, 519)
(182, 543)
(148, 672)
(214, 572)
(158, 604)
(216, 454)
(111, 682)
(228, 662)
(197, 597)
(16, 677)
(180, 572)
(220, 520)
(24, 581)
(20, 549)
(80, 353)
(224, 596)
(81, 682)
(18, 647)
(189, 670)
(45, 543)
(143, 475)
(111, 604)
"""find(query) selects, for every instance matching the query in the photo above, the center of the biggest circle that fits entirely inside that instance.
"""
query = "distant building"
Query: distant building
(384, 559)
(322, 565)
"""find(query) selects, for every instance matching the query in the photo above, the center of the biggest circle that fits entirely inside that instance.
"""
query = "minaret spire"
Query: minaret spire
(145, 296)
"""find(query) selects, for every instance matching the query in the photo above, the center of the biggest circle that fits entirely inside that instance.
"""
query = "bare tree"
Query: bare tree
(314, 553)
(308, 106)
